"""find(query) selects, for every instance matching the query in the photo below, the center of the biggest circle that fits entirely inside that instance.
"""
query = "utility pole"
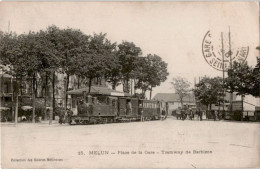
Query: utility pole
(231, 70)
(223, 66)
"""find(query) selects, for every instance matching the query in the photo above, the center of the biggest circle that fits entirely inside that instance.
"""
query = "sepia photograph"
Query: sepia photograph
(130, 85)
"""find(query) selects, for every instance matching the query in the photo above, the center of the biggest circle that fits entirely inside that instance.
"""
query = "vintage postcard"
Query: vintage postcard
(129, 85)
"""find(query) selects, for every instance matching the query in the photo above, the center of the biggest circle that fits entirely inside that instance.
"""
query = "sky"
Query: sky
(172, 30)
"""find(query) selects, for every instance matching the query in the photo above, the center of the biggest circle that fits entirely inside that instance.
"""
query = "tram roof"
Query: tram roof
(101, 90)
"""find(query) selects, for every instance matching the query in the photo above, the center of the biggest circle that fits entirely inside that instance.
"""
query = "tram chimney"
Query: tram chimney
(89, 97)
(84, 96)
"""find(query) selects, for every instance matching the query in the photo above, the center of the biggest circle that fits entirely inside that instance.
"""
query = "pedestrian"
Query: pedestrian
(178, 113)
(200, 114)
(129, 108)
(142, 114)
(163, 114)
(61, 117)
(69, 114)
(183, 115)
(215, 114)
(167, 108)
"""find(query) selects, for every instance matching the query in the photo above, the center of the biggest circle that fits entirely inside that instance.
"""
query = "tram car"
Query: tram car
(94, 109)
(103, 108)
(150, 109)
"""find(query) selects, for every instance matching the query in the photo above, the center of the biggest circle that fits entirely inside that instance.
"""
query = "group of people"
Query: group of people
(215, 114)
(188, 113)
(65, 117)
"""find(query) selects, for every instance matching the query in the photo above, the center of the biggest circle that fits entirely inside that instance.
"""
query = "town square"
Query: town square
(130, 85)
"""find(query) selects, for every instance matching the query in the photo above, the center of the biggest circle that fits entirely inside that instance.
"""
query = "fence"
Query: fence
(229, 115)
(234, 115)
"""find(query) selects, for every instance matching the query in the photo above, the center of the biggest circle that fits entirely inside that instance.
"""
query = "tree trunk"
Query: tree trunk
(53, 99)
(89, 85)
(242, 100)
(127, 83)
(134, 86)
(66, 90)
(16, 103)
(151, 93)
(20, 87)
(78, 81)
(45, 97)
(99, 81)
(53, 95)
(36, 87)
(143, 93)
(16, 109)
(181, 99)
(231, 101)
(124, 89)
(12, 91)
(131, 87)
(33, 98)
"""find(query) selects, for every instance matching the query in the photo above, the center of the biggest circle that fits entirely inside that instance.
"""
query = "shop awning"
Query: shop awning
(4, 108)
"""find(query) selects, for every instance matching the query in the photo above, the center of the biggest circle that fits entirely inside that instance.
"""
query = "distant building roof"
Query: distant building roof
(173, 97)
(4, 75)
(99, 90)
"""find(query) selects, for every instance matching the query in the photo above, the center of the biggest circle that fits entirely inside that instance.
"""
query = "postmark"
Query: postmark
(232, 50)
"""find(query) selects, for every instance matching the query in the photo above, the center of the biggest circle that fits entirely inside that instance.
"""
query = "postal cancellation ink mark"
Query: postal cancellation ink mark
(212, 50)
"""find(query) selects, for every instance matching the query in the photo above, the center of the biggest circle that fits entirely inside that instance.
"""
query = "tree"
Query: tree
(113, 71)
(73, 42)
(98, 60)
(209, 91)
(182, 87)
(12, 59)
(256, 75)
(150, 72)
(127, 53)
(140, 75)
(157, 71)
(240, 79)
(49, 62)
(31, 50)
(69, 45)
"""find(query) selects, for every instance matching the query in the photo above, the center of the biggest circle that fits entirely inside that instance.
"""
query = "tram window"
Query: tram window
(113, 102)
(102, 100)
